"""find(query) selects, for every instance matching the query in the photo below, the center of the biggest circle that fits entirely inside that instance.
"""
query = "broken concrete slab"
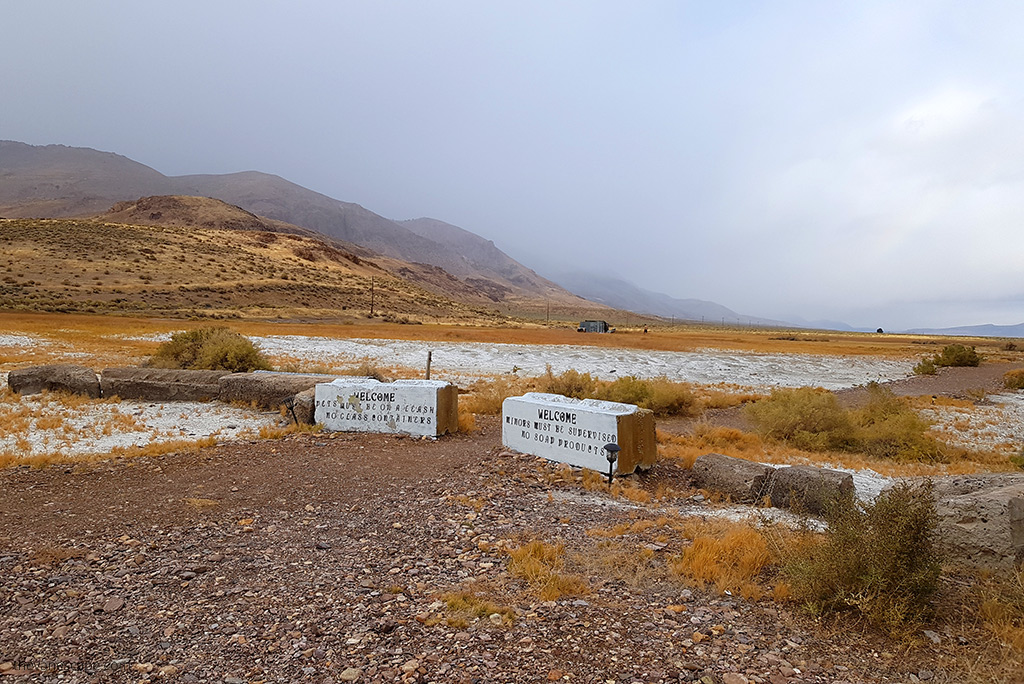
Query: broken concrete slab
(304, 407)
(981, 519)
(58, 377)
(267, 389)
(738, 478)
(161, 384)
(808, 489)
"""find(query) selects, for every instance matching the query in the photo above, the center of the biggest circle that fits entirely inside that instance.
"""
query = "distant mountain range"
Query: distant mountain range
(987, 330)
(61, 181)
(620, 294)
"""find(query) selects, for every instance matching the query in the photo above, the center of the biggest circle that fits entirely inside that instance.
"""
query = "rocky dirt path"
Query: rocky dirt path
(327, 558)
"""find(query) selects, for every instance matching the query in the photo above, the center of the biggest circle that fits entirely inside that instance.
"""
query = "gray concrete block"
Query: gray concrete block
(807, 489)
(159, 384)
(60, 377)
(738, 478)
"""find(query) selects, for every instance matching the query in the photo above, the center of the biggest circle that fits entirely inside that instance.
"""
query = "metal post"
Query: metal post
(429, 353)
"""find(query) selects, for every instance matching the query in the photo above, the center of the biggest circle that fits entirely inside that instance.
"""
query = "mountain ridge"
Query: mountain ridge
(60, 181)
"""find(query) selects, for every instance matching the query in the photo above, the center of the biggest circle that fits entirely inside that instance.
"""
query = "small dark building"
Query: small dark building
(594, 326)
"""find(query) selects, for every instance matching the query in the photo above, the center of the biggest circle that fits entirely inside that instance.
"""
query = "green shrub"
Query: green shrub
(209, 348)
(925, 367)
(1014, 379)
(806, 418)
(957, 355)
(878, 559)
(887, 427)
(571, 383)
(951, 355)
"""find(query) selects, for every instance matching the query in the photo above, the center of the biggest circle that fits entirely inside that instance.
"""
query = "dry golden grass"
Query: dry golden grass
(485, 396)
(476, 503)
(467, 423)
(1002, 608)
(542, 565)
(730, 556)
(55, 555)
(706, 438)
(633, 566)
(201, 502)
(465, 607)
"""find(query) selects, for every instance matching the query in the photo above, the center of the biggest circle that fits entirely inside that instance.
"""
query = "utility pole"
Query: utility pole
(371, 296)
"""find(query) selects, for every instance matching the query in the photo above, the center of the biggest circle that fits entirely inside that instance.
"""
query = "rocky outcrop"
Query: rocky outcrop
(981, 519)
(736, 477)
(61, 377)
(156, 384)
(267, 389)
(810, 490)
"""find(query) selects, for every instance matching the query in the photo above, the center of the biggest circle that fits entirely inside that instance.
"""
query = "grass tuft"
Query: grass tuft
(729, 556)
(542, 565)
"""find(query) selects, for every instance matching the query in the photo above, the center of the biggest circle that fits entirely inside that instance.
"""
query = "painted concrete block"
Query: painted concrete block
(575, 431)
(414, 407)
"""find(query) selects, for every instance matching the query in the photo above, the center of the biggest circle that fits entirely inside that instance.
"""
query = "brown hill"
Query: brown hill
(207, 213)
(194, 212)
(59, 181)
(78, 265)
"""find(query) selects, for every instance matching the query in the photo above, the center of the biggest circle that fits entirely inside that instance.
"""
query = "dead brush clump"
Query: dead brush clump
(715, 398)
(660, 395)
(706, 438)
(633, 565)
(877, 559)
(464, 607)
(368, 370)
(476, 503)
(1014, 380)
(485, 396)
(55, 555)
(542, 565)
(467, 422)
(593, 481)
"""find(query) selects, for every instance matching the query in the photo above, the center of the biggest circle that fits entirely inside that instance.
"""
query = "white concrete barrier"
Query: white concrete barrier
(414, 407)
(575, 431)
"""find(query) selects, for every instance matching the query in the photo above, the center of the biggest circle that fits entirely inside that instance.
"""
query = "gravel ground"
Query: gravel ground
(327, 558)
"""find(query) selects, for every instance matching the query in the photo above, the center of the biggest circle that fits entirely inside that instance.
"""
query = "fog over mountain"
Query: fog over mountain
(861, 162)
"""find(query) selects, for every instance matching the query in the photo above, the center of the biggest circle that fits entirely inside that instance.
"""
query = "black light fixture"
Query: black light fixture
(611, 452)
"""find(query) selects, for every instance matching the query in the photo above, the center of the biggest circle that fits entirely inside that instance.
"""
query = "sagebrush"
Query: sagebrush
(951, 355)
(813, 420)
(878, 559)
(210, 348)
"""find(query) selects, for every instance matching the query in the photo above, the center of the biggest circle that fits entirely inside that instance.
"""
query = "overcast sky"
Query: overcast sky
(860, 161)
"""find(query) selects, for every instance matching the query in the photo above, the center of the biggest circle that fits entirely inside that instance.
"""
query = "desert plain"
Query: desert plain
(206, 542)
